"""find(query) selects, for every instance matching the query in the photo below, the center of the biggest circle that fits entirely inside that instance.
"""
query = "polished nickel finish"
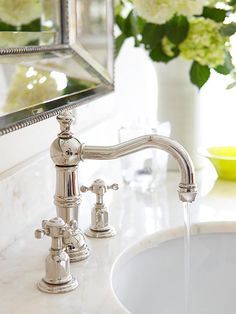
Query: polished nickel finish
(58, 278)
(65, 154)
(187, 188)
(100, 227)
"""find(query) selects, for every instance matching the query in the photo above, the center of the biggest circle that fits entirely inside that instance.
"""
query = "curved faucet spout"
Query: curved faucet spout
(187, 187)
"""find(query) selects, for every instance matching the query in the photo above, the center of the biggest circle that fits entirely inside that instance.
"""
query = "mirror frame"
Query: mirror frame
(68, 44)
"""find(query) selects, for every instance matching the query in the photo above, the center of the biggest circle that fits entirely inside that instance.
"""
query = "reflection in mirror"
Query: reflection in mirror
(29, 23)
(29, 84)
(54, 54)
(94, 27)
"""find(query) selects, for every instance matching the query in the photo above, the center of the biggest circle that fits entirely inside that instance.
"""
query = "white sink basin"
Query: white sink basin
(149, 277)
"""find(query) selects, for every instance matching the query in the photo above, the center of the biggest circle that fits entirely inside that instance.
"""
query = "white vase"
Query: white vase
(178, 103)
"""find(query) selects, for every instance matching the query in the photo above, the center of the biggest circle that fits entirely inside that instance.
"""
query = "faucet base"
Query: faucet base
(108, 233)
(59, 288)
(77, 249)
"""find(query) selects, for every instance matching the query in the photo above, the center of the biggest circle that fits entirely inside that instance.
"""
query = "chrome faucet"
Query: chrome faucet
(58, 278)
(187, 187)
(67, 152)
(100, 227)
(65, 155)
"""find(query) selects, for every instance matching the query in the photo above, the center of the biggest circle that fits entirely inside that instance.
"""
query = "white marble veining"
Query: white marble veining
(25, 196)
(135, 215)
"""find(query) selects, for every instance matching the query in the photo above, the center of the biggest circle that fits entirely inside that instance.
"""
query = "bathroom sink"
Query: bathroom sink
(149, 276)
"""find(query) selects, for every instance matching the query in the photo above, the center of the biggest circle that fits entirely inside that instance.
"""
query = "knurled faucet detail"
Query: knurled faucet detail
(65, 153)
(58, 278)
(100, 227)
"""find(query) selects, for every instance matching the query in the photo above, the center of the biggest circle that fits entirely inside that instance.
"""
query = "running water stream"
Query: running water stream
(187, 257)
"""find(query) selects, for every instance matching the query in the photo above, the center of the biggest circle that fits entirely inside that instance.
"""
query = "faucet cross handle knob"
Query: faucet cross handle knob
(53, 228)
(100, 227)
(114, 187)
(99, 188)
(58, 277)
(39, 233)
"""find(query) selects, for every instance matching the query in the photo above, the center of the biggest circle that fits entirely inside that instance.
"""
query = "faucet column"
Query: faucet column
(64, 153)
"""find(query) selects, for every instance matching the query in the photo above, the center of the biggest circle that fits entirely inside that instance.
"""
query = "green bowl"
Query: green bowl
(224, 160)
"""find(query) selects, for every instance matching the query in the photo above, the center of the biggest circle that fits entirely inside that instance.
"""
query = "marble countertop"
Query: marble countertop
(134, 215)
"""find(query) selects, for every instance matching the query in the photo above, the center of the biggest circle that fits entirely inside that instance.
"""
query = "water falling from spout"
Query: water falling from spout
(187, 257)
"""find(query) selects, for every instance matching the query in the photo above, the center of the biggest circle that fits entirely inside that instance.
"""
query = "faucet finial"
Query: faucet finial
(65, 119)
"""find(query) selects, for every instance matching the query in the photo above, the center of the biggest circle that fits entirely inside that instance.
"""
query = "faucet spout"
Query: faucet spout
(187, 188)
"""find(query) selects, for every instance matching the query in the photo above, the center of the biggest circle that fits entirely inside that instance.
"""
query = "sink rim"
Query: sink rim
(162, 236)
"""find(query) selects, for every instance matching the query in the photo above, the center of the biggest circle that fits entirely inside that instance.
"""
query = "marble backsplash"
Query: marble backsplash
(26, 194)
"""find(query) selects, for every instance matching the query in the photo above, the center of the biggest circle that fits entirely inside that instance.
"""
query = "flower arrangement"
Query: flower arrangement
(196, 30)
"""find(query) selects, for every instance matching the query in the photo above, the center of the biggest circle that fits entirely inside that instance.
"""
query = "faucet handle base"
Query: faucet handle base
(78, 255)
(56, 289)
(77, 248)
(107, 233)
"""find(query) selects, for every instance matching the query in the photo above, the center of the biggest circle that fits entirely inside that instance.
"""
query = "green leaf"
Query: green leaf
(228, 29)
(4, 27)
(119, 43)
(34, 26)
(157, 54)
(133, 27)
(218, 15)
(130, 28)
(152, 34)
(139, 24)
(199, 74)
(177, 29)
(120, 22)
(227, 67)
(75, 85)
(33, 43)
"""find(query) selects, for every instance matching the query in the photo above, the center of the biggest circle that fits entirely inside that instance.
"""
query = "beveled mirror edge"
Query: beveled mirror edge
(84, 97)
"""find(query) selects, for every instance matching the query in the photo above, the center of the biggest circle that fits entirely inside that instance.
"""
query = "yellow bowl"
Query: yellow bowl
(224, 160)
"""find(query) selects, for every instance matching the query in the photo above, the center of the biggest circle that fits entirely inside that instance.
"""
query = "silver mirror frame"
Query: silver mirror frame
(68, 44)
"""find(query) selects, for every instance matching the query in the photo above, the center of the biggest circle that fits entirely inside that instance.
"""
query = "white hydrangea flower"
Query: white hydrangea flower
(160, 11)
(204, 43)
(30, 86)
(19, 12)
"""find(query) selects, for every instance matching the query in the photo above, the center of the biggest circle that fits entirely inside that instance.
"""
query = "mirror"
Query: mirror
(53, 55)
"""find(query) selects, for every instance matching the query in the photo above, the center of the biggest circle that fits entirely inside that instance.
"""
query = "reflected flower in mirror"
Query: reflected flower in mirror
(13, 39)
(20, 12)
(28, 23)
(30, 86)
